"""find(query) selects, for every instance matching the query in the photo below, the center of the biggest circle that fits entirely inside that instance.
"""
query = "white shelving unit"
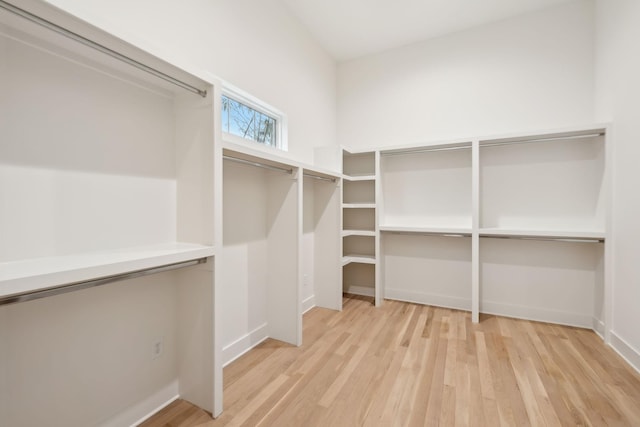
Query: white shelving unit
(426, 219)
(514, 225)
(360, 237)
(282, 246)
(107, 174)
(543, 226)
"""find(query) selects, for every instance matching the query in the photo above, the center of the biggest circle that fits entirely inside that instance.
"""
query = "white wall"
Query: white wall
(257, 45)
(81, 358)
(530, 72)
(617, 94)
(244, 258)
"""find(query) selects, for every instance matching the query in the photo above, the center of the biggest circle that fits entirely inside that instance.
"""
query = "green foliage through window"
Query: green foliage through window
(248, 123)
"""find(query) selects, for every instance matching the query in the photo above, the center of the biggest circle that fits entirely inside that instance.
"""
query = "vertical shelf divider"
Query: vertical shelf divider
(379, 295)
(475, 231)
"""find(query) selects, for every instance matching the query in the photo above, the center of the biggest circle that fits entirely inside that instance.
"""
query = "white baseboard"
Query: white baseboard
(626, 351)
(537, 314)
(308, 304)
(428, 299)
(598, 327)
(136, 414)
(360, 290)
(243, 344)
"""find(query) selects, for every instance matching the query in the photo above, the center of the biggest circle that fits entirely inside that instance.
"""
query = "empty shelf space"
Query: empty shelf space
(20, 277)
(359, 164)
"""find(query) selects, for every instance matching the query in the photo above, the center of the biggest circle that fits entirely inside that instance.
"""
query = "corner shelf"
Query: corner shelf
(354, 178)
(358, 258)
(359, 205)
(365, 233)
(360, 238)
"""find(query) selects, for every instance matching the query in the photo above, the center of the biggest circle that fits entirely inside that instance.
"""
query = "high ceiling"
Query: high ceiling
(351, 28)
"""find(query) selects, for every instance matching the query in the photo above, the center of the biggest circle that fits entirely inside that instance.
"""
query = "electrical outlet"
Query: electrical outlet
(157, 348)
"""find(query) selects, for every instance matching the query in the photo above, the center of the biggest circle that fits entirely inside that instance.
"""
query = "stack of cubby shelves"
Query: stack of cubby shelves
(514, 225)
(359, 232)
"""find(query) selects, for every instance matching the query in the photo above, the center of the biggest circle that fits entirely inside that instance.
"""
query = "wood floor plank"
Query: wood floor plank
(410, 365)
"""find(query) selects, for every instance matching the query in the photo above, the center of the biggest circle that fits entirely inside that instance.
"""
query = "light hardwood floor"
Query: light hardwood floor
(411, 365)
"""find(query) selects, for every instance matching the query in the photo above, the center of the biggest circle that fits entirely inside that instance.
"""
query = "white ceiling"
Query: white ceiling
(351, 28)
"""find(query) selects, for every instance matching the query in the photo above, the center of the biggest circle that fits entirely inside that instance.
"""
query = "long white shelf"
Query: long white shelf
(454, 231)
(31, 275)
(551, 234)
(362, 259)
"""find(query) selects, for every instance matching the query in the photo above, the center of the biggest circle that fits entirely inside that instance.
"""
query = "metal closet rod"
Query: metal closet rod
(92, 283)
(321, 178)
(549, 139)
(257, 164)
(90, 43)
(426, 233)
(545, 239)
(424, 150)
(491, 144)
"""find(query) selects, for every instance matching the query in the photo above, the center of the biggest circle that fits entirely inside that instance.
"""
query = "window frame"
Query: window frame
(236, 94)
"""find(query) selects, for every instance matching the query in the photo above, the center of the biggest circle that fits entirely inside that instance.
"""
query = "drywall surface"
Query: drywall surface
(617, 92)
(530, 72)
(80, 358)
(244, 258)
(256, 45)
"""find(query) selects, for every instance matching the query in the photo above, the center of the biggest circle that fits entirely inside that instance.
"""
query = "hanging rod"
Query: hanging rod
(90, 43)
(257, 164)
(426, 233)
(547, 239)
(92, 283)
(321, 178)
(549, 139)
(423, 150)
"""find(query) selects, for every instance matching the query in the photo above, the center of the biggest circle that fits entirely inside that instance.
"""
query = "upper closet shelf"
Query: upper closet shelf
(262, 157)
(428, 230)
(544, 234)
(38, 274)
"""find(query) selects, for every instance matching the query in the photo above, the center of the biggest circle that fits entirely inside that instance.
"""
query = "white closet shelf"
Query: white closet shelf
(359, 177)
(369, 233)
(31, 275)
(549, 234)
(358, 258)
(455, 231)
(359, 205)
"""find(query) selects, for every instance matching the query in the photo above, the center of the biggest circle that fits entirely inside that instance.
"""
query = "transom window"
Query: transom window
(247, 118)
